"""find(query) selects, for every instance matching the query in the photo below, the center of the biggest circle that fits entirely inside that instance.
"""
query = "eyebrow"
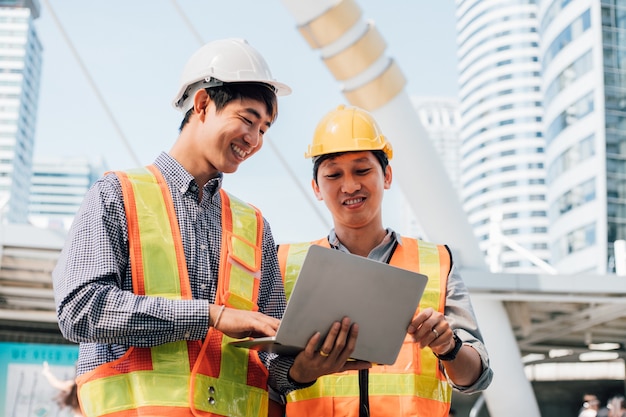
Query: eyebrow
(257, 114)
(331, 162)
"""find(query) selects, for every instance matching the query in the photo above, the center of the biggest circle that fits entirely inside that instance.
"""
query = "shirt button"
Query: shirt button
(187, 335)
(203, 286)
(203, 247)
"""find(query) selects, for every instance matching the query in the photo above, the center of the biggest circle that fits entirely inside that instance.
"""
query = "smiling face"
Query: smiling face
(213, 141)
(352, 186)
(232, 135)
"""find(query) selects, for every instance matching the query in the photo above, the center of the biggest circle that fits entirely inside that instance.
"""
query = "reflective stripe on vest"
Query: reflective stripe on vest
(240, 376)
(413, 385)
(158, 380)
(290, 260)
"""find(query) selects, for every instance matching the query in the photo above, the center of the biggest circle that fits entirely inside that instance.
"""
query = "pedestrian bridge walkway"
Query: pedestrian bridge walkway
(555, 318)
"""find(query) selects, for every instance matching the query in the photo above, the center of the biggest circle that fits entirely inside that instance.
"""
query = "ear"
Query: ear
(316, 190)
(201, 100)
(388, 177)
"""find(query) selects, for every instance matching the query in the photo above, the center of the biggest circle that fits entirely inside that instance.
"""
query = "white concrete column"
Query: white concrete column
(510, 388)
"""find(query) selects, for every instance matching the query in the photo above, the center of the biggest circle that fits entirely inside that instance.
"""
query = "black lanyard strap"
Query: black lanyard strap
(364, 403)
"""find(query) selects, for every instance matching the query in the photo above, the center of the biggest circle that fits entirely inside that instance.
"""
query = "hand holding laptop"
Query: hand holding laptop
(333, 355)
(309, 364)
(380, 298)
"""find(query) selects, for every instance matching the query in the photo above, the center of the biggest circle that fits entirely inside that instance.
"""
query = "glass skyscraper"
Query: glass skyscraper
(20, 74)
(584, 65)
(543, 126)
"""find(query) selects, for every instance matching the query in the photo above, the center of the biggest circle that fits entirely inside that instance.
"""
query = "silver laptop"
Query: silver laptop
(331, 285)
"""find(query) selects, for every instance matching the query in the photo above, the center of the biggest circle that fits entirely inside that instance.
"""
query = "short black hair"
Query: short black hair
(317, 160)
(227, 92)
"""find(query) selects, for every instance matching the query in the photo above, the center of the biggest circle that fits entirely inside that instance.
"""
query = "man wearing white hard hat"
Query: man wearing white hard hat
(162, 267)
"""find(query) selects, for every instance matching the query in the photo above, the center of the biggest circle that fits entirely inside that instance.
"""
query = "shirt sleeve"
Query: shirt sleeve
(460, 315)
(93, 284)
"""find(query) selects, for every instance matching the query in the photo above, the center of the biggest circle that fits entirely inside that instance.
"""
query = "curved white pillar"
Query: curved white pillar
(354, 52)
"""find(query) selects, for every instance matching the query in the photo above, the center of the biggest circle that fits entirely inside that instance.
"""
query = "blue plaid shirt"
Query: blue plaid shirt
(93, 291)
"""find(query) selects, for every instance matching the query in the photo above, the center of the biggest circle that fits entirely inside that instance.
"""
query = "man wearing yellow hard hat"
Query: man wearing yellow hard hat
(162, 267)
(443, 349)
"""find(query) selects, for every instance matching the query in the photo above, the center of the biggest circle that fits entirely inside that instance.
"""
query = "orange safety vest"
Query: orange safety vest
(182, 378)
(414, 385)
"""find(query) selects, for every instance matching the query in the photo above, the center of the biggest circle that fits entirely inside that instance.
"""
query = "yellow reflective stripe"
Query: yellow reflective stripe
(230, 394)
(347, 385)
(295, 259)
(160, 267)
(166, 384)
(241, 288)
(134, 390)
(244, 238)
(234, 361)
(244, 250)
(228, 398)
(430, 266)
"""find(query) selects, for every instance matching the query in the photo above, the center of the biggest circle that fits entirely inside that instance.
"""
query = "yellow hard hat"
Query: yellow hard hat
(346, 129)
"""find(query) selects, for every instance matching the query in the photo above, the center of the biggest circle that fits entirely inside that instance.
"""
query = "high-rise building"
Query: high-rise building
(20, 73)
(583, 54)
(58, 187)
(503, 188)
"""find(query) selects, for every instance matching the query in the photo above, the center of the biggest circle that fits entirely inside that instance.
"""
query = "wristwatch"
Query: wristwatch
(450, 356)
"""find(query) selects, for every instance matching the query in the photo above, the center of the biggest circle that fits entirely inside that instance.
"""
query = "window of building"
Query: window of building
(571, 157)
(574, 241)
(569, 34)
(568, 76)
(577, 196)
(576, 111)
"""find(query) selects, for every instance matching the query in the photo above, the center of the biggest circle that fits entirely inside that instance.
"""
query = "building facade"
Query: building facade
(503, 186)
(20, 74)
(584, 79)
(58, 187)
(543, 128)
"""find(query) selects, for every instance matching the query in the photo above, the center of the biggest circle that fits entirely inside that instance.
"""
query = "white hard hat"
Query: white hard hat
(224, 61)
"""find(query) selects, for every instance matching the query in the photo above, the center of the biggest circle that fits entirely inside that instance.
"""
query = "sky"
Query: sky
(131, 55)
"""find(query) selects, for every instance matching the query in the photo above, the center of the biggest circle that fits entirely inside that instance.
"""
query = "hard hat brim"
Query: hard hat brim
(280, 89)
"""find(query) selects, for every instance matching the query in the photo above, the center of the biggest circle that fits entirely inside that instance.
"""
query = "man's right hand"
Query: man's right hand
(242, 323)
(332, 357)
